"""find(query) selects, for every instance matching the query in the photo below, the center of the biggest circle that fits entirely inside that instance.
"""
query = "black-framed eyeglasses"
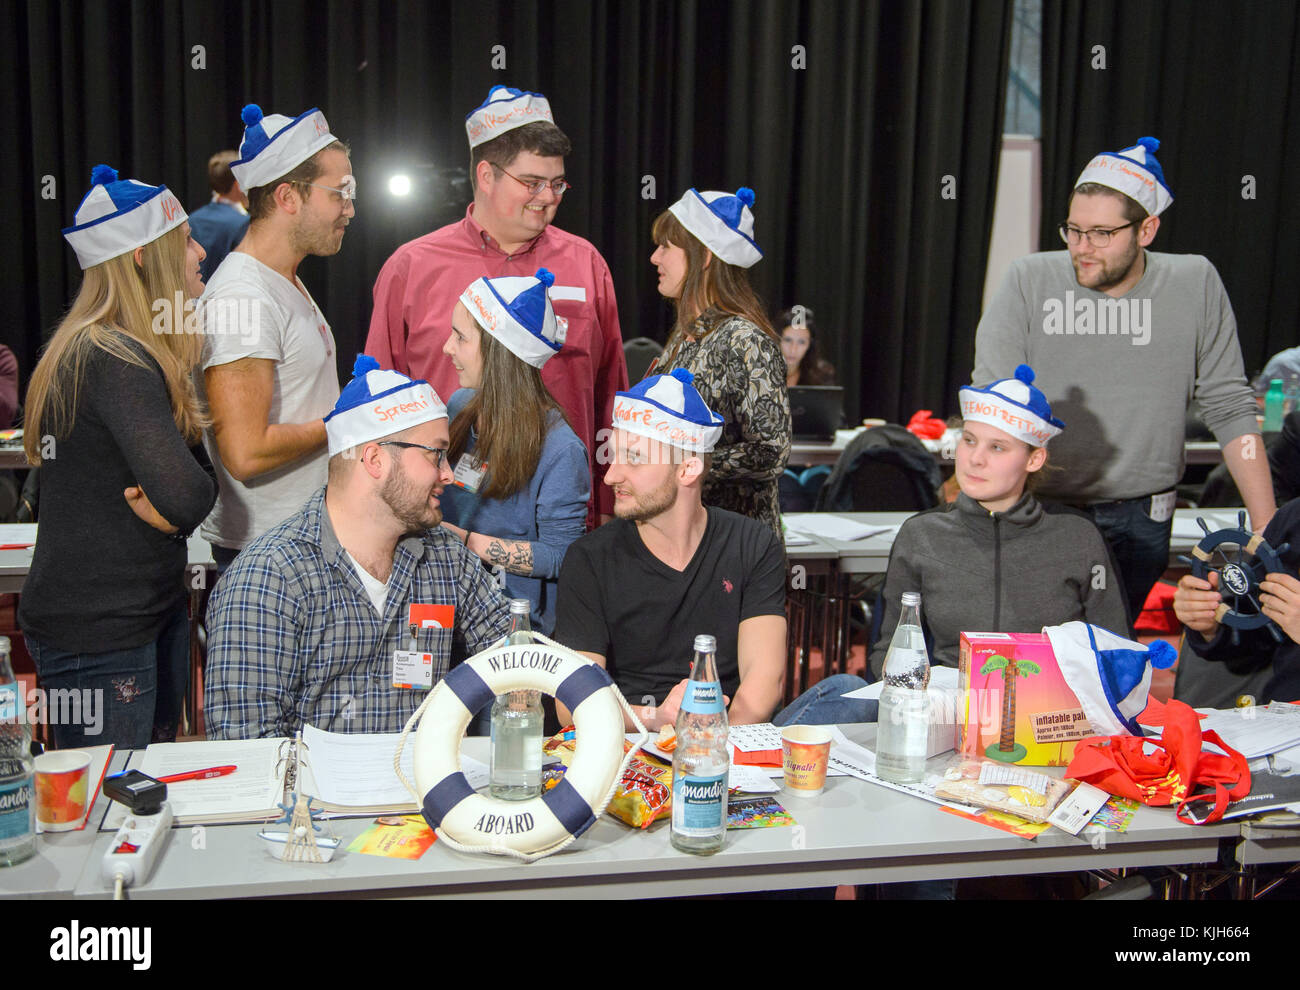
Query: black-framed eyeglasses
(558, 186)
(1098, 237)
(439, 455)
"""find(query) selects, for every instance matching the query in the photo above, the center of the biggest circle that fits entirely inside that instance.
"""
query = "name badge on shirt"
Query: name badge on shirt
(431, 616)
(1162, 506)
(412, 669)
(469, 473)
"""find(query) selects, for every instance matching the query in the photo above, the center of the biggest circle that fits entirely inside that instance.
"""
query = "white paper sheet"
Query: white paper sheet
(1258, 731)
(941, 679)
(833, 527)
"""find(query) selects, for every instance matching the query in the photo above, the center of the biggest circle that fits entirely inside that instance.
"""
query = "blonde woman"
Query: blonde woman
(115, 427)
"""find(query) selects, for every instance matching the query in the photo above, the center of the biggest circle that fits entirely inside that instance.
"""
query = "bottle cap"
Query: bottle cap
(706, 644)
(911, 598)
(520, 606)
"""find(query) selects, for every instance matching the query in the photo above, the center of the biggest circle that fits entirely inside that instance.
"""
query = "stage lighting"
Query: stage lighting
(400, 185)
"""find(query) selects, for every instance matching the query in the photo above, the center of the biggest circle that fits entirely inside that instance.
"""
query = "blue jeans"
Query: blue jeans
(127, 697)
(821, 704)
(1139, 544)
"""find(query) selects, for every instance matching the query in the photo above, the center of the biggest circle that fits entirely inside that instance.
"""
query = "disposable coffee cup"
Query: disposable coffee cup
(62, 789)
(805, 753)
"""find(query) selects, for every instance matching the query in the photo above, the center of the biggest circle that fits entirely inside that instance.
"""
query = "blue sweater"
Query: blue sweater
(550, 512)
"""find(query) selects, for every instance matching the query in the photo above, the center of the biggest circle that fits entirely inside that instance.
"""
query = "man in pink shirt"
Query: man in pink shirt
(517, 164)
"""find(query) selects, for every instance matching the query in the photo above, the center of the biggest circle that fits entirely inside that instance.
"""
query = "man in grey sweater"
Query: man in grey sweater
(1123, 339)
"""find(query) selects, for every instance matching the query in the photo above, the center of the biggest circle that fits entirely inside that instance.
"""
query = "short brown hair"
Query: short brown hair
(541, 137)
(1133, 211)
(261, 200)
(220, 178)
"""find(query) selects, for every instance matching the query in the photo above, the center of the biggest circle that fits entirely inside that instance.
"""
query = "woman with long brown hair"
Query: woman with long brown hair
(521, 475)
(723, 337)
(115, 427)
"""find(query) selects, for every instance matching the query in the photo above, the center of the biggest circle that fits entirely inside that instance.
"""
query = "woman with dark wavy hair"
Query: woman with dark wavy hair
(803, 364)
(723, 337)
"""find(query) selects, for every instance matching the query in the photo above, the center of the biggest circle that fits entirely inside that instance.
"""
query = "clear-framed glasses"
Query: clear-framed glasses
(535, 187)
(439, 455)
(1098, 237)
(348, 190)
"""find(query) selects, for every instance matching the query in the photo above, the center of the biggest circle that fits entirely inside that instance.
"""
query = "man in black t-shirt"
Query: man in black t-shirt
(634, 593)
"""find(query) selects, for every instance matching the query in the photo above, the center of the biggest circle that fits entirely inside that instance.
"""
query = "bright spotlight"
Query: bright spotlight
(400, 185)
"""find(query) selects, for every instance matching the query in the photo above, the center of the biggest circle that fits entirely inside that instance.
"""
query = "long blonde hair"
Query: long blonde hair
(116, 303)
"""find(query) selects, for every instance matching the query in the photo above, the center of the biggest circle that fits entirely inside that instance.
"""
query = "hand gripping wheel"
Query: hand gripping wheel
(1239, 575)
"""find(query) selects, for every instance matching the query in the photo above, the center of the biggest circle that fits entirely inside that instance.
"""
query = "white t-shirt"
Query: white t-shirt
(375, 588)
(251, 310)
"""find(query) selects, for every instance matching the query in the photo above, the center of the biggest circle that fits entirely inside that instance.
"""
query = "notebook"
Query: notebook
(816, 411)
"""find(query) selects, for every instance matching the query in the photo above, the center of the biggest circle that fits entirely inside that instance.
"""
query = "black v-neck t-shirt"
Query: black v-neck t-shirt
(619, 600)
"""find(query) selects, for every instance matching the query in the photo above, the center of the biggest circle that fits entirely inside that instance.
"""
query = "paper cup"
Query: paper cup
(805, 751)
(62, 789)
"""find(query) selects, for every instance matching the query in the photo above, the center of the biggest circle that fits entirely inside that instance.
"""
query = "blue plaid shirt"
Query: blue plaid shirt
(293, 637)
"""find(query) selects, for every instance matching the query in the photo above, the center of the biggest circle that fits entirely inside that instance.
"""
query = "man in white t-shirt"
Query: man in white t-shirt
(269, 373)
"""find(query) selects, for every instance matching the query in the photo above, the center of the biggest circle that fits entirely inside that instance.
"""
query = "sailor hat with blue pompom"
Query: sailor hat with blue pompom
(274, 145)
(1014, 406)
(1134, 172)
(723, 223)
(505, 109)
(1110, 675)
(118, 216)
(516, 310)
(378, 403)
(669, 409)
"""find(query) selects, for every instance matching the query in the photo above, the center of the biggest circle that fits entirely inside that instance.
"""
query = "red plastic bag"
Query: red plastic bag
(1171, 772)
(924, 425)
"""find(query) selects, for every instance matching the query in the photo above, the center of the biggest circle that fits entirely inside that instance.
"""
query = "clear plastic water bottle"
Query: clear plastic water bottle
(701, 762)
(17, 798)
(1274, 402)
(903, 730)
(516, 767)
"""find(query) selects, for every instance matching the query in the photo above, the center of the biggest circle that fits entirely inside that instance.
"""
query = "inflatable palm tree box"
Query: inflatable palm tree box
(1013, 703)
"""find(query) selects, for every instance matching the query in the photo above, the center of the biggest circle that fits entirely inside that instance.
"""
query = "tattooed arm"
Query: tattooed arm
(515, 556)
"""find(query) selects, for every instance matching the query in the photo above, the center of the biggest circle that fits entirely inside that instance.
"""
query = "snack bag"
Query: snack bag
(644, 792)
(1002, 787)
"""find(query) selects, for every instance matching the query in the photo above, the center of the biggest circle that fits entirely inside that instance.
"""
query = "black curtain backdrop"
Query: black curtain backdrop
(1219, 85)
(844, 116)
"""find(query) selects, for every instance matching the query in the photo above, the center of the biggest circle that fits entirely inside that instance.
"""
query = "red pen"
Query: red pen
(198, 774)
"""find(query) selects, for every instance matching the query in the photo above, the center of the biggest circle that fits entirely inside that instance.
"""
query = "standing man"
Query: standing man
(1123, 339)
(517, 168)
(219, 225)
(268, 360)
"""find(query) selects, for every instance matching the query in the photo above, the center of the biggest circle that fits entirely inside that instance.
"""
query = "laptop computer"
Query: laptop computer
(816, 411)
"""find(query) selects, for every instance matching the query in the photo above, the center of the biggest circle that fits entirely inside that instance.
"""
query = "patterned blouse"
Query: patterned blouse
(740, 373)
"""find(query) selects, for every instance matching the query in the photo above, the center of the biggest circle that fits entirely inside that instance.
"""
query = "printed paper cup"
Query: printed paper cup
(805, 751)
(62, 789)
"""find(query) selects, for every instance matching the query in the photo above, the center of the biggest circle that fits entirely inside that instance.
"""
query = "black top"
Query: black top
(102, 579)
(619, 600)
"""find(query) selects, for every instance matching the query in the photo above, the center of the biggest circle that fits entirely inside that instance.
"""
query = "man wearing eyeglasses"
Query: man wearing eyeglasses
(348, 612)
(1122, 338)
(269, 373)
(517, 167)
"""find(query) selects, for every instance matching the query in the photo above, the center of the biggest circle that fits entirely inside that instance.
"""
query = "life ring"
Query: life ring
(539, 826)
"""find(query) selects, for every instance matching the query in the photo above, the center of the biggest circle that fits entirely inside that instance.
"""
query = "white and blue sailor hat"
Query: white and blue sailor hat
(1110, 675)
(378, 403)
(118, 216)
(1014, 406)
(516, 310)
(275, 145)
(1133, 172)
(723, 222)
(505, 109)
(667, 408)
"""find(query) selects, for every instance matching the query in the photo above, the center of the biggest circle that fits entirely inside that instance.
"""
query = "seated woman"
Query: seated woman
(705, 246)
(803, 364)
(522, 480)
(996, 559)
(114, 423)
(1196, 602)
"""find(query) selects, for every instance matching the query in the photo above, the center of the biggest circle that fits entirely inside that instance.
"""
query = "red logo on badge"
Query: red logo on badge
(432, 616)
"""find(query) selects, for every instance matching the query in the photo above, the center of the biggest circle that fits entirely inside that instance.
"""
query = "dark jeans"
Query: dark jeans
(1139, 543)
(127, 697)
(822, 704)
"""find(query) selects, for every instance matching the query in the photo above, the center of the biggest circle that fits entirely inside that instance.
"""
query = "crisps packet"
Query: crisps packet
(644, 792)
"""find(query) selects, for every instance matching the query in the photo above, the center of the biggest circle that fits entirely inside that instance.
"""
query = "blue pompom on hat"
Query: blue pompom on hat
(505, 109)
(120, 215)
(1110, 675)
(669, 409)
(516, 310)
(275, 145)
(377, 403)
(723, 223)
(1013, 405)
(1133, 172)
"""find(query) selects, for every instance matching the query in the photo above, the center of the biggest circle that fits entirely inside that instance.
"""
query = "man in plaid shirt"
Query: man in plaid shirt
(304, 626)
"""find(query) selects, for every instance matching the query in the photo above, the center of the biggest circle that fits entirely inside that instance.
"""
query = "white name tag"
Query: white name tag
(412, 669)
(575, 293)
(469, 473)
(1162, 506)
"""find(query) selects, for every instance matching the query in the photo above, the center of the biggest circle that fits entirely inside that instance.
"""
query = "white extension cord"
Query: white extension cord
(134, 850)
